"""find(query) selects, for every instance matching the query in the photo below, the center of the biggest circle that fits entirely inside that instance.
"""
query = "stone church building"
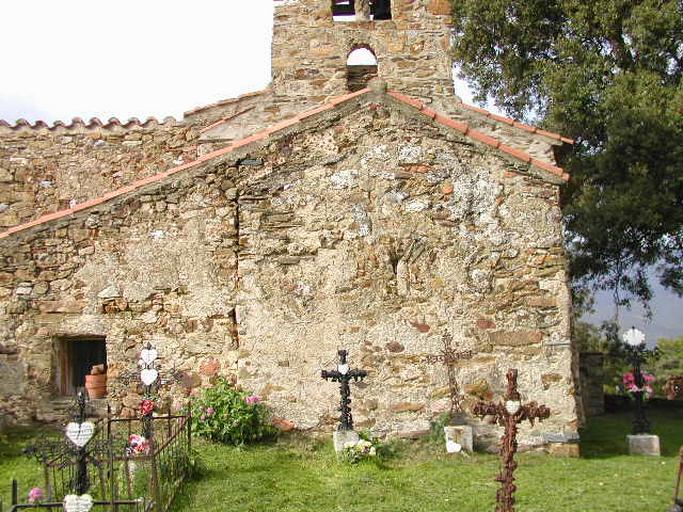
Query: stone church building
(260, 234)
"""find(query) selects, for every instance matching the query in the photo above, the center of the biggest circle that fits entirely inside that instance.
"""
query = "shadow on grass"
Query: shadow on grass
(605, 435)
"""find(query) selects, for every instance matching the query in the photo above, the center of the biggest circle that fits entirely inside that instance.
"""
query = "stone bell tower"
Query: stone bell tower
(313, 39)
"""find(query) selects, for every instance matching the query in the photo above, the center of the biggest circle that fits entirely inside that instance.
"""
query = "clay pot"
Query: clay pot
(96, 385)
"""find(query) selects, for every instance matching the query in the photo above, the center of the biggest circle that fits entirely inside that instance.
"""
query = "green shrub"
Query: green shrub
(228, 415)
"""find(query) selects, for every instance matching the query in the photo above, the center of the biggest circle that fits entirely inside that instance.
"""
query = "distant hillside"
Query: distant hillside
(667, 319)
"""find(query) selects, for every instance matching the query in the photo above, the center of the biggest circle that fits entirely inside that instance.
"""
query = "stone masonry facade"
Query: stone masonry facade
(258, 235)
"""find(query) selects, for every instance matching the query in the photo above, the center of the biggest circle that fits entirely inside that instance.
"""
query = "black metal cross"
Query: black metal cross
(343, 374)
(509, 414)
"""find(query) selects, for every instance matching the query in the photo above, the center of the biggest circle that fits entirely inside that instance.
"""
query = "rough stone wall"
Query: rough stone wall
(43, 170)
(158, 267)
(310, 49)
(373, 231)
(380, 236)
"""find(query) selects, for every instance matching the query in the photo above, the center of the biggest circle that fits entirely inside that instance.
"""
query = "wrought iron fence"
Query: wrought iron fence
(117, 475)
(139, 505)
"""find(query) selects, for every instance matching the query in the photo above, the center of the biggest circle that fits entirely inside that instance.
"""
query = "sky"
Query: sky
(77, 58)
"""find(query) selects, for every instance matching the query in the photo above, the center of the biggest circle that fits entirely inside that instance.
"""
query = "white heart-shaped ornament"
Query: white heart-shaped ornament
(149, 376)
(80, 433)
(149, 355)
(512, 406)
(73, 503)
(453, 447)
(343, 368)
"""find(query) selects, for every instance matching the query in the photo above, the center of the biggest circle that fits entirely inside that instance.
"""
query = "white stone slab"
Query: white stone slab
(644, 444)
(459, 438)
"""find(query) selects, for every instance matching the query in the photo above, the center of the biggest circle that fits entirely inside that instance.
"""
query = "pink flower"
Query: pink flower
(648, 378)
(210, 411)
(138, 444)
(252, 399)
(203, 417)
(35, 495)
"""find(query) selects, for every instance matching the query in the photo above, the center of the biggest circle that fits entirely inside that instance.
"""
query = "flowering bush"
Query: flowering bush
(36, 495)
(355, 452)
(229, 415)
(630, 385)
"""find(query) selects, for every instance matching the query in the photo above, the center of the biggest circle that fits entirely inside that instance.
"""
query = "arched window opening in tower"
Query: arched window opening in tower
(361, 67)
(346, 10)
(380, 9)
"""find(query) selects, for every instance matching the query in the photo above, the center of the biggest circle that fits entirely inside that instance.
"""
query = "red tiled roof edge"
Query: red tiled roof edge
(92, 124)
(256, 137)
(466, 130)
(264, 134)
(227, 101)
(517, 124)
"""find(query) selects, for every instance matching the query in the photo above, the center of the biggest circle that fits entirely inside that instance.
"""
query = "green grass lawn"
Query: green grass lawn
(299, 475)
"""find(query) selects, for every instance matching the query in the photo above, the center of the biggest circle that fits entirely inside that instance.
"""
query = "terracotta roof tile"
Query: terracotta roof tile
(406, 99)
(452, 123)
(458, 126)
(93, 124)
(516, 124)
(520, 155)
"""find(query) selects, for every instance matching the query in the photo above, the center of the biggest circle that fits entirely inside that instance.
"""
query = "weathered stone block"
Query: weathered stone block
(565, 449)
(643, 444)
(515, 338)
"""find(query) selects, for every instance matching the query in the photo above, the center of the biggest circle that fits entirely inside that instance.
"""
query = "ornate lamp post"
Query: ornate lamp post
(635, 346)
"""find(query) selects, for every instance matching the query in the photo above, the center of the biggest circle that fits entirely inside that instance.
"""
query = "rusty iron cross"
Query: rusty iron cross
(678, 502)
(449, 356)
(509, 414)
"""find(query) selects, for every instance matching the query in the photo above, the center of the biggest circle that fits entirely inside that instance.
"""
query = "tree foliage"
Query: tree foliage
(608, 74)
(670, 362)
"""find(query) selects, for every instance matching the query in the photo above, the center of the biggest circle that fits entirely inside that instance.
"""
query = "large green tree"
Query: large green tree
(608, 74)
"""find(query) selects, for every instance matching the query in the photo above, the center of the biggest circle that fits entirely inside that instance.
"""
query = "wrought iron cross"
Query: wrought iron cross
(678, 502)
(509, 414)
(343, 374)
(82, 481)
(449, 356)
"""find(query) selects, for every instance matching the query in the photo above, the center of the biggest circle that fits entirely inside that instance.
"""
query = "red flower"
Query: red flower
(146, 407)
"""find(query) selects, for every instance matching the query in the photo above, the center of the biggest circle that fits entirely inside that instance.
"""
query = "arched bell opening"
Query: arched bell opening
(347, 10)
(361, 67)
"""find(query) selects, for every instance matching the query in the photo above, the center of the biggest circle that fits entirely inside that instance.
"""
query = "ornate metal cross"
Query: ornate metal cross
(343, 374)
(449, 356)
(82, 481)
(509, 414)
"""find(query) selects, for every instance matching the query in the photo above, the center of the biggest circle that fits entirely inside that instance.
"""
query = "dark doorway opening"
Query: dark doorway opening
(75, 359)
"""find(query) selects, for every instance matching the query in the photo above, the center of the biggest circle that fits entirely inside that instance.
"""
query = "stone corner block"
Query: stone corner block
(644, 444)
(459, 438)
